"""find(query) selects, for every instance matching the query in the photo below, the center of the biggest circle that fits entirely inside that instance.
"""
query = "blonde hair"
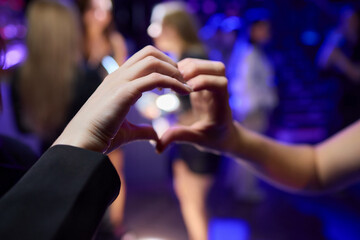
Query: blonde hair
(186, 27)
(46, 78)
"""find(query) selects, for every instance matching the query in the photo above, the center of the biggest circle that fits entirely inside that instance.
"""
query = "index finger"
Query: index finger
(145, 52)
(191, 67)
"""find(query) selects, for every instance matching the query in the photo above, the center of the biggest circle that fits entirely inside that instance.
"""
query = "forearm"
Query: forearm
(290, 167)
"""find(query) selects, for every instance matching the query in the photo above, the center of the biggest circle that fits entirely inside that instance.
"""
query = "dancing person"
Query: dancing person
(178, 37)
(252, 91)
(339, 59)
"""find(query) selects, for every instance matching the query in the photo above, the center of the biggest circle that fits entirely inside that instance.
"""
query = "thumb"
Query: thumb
(141, 132)
(130, 132)
(177, 134)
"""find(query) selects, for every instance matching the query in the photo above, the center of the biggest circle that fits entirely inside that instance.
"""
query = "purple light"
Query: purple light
(21, 31)
(15, 54)
(209, 7)
(193, 6)
(10, 31)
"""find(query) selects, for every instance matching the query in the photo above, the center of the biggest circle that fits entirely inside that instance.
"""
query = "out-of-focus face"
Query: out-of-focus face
(99, 14)
(167, 39)
(260, 32)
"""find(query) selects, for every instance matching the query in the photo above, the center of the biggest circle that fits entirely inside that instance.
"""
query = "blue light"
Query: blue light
(231, 23)
(229, 229)
(310, 38)
(212, 25)
(109, 64)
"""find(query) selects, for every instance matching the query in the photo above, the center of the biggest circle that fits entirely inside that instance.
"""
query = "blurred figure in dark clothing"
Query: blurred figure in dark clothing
(46, 91)
(174, 31)
(252, 91)
(339, 58)
(101, 40)
(105, 50)
(51, 86)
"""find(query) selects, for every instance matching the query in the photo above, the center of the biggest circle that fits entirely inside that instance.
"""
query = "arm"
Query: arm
(65, 194)
(328, 165)
(295, 167)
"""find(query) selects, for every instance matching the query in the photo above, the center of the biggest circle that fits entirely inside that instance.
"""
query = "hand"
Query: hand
(100, 125)
(214, 128)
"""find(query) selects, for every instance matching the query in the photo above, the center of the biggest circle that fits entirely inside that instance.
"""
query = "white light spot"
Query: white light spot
(109, 64)
(154, 30)
(168, 102)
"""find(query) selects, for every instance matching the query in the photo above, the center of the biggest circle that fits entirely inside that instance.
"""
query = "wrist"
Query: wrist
(80, 139)
(233, 142)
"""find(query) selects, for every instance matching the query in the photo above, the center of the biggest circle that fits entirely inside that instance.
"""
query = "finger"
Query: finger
(145, 52)
(191, 67)
(177, 134)
(142, 132)
(155, 80)
(130, 132)
(209, 82)
(152, 64)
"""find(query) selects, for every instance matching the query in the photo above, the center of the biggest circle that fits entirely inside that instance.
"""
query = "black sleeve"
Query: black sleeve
(63, 196)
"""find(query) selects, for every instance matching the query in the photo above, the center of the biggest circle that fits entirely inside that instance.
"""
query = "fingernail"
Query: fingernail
(187, 86)
(157, 150)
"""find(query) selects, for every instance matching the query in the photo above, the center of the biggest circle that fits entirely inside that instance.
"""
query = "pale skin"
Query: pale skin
(192, 199)
(101, 125)
(301, 168)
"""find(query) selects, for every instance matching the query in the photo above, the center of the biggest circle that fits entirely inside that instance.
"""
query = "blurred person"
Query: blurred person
(299, 168)
(175, 32)
(252, 91)
(51, 85)
(100, 37)
(65, 194)
(105, 50)
(339, 58)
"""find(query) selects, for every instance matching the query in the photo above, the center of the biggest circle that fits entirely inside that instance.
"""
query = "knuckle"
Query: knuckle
(155, 76)
(202, 79)
(150, 59)
(150, 50)
(152, 63)
(186, 60)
